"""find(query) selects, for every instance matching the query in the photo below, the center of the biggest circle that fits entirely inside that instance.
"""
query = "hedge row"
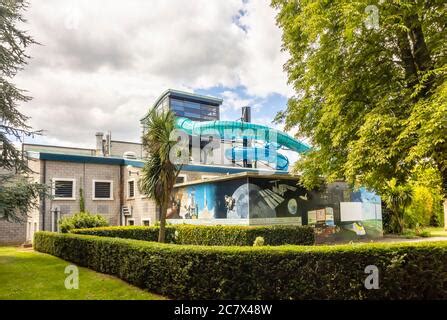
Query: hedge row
(211, 235)
(129, 232)
(406, 271)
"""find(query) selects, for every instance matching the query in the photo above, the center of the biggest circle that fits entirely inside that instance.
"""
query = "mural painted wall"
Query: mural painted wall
(336, 212)
(211, 200)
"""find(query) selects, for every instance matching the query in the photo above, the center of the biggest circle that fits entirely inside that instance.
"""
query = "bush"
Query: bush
(259, 241)
(406, 270)
(212, 235)
(130, 232)
(82, 220)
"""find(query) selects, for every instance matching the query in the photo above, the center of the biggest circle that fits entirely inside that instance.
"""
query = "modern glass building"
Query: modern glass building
(193, 106)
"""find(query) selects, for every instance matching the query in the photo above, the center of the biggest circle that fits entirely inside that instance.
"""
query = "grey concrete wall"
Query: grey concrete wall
(84, 174)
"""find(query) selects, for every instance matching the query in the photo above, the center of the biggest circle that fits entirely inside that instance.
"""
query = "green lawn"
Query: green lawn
(437, 232)
(26, 274)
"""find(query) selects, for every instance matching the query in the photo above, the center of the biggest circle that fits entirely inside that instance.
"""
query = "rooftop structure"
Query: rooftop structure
(192, 106)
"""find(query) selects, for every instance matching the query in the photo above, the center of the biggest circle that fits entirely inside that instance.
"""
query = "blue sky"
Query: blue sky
(263, 108)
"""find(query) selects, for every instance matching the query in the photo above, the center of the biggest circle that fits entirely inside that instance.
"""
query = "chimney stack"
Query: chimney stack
(99, 144)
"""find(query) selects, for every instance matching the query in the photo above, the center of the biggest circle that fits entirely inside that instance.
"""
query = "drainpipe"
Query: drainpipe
(246, 117)
(43, 179)
(121, 203)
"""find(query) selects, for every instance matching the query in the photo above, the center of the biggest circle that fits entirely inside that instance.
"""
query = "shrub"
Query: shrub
(82, 220)
(424, 234)
(406, 270)
(130, 232)
(212, 235)
(259, 241)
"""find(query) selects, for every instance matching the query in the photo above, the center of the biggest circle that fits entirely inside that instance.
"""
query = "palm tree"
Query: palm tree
(397, 198)
(159, 173)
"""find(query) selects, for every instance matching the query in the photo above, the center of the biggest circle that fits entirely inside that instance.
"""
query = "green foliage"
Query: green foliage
(259, 241)
(426, 207)
(373, 101)
(420, 212)
(212, 235)
(159, 173)
(13, 57)
(81, 200)
(397, 198)
(406, 270)
(243, 235)
(128, 232)
(82, 220)
(18, 196)
(424, 234)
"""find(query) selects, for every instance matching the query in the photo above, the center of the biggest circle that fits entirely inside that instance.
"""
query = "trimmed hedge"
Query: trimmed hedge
(211, 235)
(244, 236)
(406, 270)
(130, 232)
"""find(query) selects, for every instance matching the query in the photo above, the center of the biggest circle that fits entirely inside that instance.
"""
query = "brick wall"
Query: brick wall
(14, 233)
(142, 207)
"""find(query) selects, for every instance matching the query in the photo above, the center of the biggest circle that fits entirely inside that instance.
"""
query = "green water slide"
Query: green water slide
(228, 130)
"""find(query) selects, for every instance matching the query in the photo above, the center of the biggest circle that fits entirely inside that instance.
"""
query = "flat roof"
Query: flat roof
(274, 176)
(81, 158)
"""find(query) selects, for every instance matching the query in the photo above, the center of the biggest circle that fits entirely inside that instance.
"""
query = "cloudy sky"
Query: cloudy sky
(101, 63)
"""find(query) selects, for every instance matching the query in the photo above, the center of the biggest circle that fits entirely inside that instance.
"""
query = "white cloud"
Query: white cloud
(103, 63)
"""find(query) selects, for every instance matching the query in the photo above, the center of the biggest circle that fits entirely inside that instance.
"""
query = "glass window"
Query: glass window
(192, 105)
(131, 189)
(196, 112)
(178, 108)
(175, 102)
(192, 115)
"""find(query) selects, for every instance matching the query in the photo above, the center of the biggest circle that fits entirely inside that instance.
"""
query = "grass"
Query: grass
(424, 233)
(437, 232)
(28, 275)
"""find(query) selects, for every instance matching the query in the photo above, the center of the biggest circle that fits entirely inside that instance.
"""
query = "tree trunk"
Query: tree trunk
(420, 52)
(162, 232)
(407, 59)
(445, 214)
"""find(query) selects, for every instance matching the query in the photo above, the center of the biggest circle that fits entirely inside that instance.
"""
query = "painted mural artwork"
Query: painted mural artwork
(336, 213)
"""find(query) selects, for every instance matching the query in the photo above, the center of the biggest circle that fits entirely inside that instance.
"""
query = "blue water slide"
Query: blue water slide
(228, 130)
(239, 129)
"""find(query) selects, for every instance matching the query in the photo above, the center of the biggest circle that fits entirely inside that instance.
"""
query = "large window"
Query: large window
(194, 110)
(64, 189)
(102, 190)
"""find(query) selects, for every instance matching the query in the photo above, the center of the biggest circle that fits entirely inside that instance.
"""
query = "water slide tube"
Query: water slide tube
(229, 130)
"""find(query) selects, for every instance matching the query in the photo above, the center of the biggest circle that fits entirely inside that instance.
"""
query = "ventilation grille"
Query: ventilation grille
(63, 189)
(102, 190)
(126, 211)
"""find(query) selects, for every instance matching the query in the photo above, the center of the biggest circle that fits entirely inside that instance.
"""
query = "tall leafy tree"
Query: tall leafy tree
(159, 172)
(370, 84)
(17, 194)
